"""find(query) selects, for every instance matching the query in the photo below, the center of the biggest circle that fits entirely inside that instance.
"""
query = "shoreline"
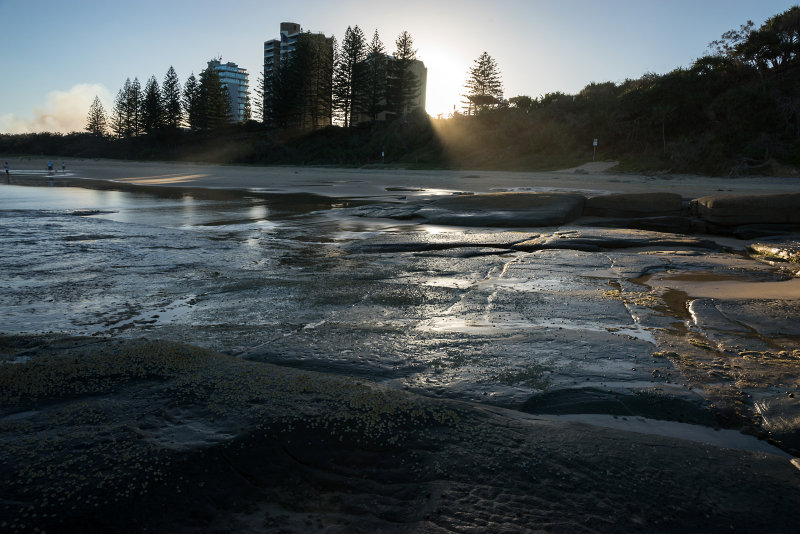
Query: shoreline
(746, 208)
(340, 181)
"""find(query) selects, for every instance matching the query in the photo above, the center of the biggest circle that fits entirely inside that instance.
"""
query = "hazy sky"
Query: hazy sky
(56, 55)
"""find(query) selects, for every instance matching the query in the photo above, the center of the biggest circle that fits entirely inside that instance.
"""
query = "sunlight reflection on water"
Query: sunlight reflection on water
(172, 209)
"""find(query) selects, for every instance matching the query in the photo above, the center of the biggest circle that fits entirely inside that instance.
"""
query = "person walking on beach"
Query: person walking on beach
(5, 166)
(63, 168)
(50, 167)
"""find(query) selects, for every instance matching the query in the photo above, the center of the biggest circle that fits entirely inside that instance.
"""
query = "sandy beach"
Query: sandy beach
(594, 178)
(199, 348)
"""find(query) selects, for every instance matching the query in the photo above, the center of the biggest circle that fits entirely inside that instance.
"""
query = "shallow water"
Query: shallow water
(168, 210)
(83, 261)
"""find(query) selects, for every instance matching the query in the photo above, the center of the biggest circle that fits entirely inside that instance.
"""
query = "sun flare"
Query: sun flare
(446, 75)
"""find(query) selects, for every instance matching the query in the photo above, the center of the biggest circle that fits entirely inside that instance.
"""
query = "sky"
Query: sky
(57, 55)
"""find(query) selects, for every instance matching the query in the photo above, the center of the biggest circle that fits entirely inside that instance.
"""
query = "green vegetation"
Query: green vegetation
(732, 112)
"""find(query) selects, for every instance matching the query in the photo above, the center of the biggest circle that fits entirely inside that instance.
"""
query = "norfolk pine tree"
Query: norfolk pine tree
(307, 70)
(96, 122)
(125, 116)
(152, 111)
(403, 85)
(191, 103)
(298, 92)
(373, 101)
(281, 96)
(247, 113)
(288, 88)
(133, 108)
(483, 84)
(118, 115)
(215, 106)
(171, 100)
(321, 81)
(348, 78)
(260, 91)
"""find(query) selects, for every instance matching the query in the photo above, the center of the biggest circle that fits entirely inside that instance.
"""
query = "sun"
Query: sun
(446, 76)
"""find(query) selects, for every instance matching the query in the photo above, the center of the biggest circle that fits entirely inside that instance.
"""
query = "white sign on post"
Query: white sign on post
(594, 143)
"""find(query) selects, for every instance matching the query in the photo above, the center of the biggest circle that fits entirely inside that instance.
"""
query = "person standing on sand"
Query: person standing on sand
(63, 168)
(50, 167)
(5, 166)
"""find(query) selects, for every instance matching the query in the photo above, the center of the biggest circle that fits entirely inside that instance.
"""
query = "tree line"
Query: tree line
(735, 109)
(201, 104)
(318, 84)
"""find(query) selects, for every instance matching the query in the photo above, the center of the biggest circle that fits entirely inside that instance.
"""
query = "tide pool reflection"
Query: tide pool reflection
(165, 208)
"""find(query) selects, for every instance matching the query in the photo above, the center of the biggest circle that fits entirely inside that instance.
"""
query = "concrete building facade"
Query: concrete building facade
(277, 49)
(236, 80)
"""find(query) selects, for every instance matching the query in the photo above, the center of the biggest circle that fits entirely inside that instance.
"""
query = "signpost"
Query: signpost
(594, 148)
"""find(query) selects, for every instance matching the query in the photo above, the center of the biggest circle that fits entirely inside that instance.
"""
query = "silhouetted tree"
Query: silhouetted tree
(125, 118)
(281, 102)
(403, 85)
(118, 114)
(260, 92)
(214, 101)
(484, 87)
(171, 99)
(373, 100)
(320, 98)
(191, 103)
(774, 44)
(133, 107)
(523, 103)
(299, 92)
(728, 43)
(247, 111)
(152, 109)
(348, 79)
(96, 122)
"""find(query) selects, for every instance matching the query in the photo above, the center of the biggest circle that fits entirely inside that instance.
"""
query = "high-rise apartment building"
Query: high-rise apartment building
(277, 49)
(316, 111)
(235, 79)
(313, 109)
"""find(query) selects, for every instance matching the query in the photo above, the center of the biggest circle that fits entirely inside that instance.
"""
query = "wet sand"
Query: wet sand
(593, 177)
(425, 379)
(715, 286)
